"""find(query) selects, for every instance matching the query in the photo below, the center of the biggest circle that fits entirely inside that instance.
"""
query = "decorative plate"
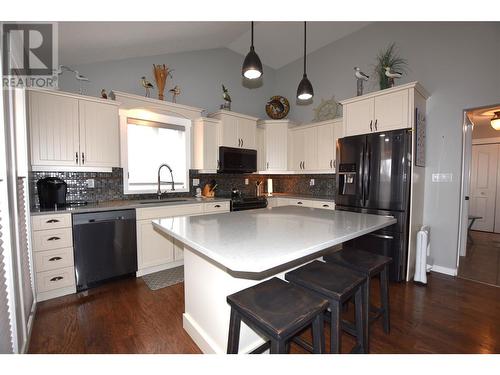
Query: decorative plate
(327, 109)
(277, 107)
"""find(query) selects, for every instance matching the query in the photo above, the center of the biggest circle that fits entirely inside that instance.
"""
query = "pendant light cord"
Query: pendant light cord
(305, 38)
(252, 35)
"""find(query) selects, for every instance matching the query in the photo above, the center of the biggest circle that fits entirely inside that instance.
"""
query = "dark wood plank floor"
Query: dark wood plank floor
(448, 316)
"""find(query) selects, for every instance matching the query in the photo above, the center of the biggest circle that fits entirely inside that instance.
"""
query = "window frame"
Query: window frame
(146, 115)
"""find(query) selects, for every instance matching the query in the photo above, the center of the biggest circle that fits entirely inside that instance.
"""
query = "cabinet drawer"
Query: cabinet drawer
(43, 222)
(216, 207)
(168, 211)
(56, 279)
(53, 259)
(325, 205)
(52, 239)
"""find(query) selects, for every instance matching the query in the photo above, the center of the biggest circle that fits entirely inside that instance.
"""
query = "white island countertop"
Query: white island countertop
(256, 241)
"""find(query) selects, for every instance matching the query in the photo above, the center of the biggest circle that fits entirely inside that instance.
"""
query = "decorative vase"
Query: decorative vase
(160, 73)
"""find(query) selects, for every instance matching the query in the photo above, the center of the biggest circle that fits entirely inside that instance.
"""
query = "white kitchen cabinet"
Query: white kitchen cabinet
(68, 130)
(54, 129)
(383, 110)
(297, 149)
(304, 149)
(153, 248)
(99, 134)
(236, 129)
(206, 144)
(273, 136)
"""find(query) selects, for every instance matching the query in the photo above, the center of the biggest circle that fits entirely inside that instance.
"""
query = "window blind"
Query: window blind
(5, 327)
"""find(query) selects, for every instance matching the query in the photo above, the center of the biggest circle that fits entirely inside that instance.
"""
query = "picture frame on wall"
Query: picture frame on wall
(419, 139)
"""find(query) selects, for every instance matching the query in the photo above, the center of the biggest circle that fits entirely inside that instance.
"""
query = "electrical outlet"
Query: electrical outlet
(196, 182)
(246, 181)
(90, 183)
(311, 182)
(442, 177)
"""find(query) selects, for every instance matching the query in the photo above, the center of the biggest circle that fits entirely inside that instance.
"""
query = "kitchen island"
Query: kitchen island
(228, 252)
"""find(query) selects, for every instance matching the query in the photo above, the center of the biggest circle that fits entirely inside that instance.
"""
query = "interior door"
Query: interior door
(483, 186)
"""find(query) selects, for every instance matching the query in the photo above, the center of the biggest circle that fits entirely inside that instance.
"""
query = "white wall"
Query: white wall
(458, 63)
(198, 73)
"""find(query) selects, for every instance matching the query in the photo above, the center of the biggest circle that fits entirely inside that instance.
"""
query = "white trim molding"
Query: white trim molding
(444, 270)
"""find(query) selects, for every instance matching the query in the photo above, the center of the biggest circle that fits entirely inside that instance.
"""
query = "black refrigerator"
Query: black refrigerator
(374, 172)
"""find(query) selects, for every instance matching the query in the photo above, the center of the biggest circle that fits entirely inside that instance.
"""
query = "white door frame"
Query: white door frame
(467, 126)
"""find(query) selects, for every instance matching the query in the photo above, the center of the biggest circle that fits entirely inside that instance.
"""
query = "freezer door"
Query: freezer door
(350, 156)
(387, 160)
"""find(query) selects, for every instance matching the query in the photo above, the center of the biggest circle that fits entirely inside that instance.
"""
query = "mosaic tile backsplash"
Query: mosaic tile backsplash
(109, 185)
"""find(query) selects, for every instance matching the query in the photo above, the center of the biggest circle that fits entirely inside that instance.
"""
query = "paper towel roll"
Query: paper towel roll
(269, 186)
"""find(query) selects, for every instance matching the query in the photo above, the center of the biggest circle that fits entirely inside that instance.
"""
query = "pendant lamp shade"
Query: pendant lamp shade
(252, 67)
(305, 90)
(495, 121)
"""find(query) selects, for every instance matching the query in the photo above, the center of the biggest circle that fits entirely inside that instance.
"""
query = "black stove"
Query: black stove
(248, 203)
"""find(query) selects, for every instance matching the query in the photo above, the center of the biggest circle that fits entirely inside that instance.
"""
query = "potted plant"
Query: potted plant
(389, 58)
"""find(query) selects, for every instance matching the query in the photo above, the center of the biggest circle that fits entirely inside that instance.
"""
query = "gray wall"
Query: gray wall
(458, 63)
(199, 75)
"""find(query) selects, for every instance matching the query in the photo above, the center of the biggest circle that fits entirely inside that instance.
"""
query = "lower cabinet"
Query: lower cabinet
(278, 202)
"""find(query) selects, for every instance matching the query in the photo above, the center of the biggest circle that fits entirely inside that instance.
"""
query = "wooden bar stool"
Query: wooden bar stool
(371, 265)
(337, 284)
(278, 311)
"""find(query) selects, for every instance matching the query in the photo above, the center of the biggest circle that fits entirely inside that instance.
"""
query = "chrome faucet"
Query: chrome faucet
(158, 192)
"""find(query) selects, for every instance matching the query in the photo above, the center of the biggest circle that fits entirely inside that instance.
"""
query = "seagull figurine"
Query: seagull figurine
(359, 74)
(147, 85)
(225, 94)
(176, 91)
(392, 74)
(80, 77)
(104, 94)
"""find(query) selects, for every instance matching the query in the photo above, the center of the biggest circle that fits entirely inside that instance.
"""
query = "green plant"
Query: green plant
(389, 57)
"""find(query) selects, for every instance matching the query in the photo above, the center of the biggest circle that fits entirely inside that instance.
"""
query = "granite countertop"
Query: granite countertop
(127, 204)
(266, 239)
(326, 198)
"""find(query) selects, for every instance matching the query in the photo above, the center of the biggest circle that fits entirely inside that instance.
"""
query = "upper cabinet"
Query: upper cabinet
(272, 145)
(236, 129)
(72, 131)
(206, 144)
(313, 146)
(382, 110)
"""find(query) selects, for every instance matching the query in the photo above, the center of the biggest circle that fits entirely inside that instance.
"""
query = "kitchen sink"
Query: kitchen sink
(164, 201)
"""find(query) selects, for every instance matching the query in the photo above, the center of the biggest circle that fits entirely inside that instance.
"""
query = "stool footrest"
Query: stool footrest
(261, 349)
(303, 344)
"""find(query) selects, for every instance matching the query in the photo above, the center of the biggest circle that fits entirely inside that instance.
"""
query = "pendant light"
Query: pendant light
(495, 121)
(252, 67)
(305, 90)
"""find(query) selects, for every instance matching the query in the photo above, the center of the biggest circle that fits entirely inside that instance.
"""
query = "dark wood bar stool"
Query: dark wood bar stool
(278, 311)
(337, 284)
(371, 265)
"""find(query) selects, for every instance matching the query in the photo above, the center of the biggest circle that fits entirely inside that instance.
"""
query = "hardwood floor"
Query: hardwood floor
(448, 316)
(482, 260)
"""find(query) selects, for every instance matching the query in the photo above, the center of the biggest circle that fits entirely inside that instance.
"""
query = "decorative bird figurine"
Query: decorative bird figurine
(360, 75)
(225, 94)
(176, 91)
(392, 74)
(104, 94)
(147, 86)
(80, 77)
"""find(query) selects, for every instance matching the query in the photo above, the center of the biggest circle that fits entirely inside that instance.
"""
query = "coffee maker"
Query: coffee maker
(51, 192)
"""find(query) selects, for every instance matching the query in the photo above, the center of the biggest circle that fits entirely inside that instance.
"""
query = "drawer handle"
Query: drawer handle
(57, 278)
(52, 221)
(53, 259)
(299, 203)
(325, 205)
(55, 238)
(217, 206)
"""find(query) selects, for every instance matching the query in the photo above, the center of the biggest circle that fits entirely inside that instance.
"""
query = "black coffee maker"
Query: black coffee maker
(51, 192)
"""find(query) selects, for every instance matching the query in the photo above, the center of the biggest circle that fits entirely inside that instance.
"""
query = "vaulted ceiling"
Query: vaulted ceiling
(277, 43)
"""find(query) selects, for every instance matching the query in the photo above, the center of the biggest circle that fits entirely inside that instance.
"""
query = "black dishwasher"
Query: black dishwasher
(105, 246)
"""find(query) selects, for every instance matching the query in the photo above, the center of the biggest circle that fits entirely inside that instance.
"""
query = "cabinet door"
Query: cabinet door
(358, 116)
(310, 149)
(247, 130)
(153, 248)
(229, 131)
(276, 147)
(54, 134)
(325, 135)
(261, 150)
(99, 134)
(391, 111)
(338, 132)
(298, 149)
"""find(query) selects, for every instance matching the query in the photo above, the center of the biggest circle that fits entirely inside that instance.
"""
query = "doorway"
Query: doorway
(479, 245)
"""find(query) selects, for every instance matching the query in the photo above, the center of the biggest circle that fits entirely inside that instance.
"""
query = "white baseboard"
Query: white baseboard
(444, 270)
(161, 267)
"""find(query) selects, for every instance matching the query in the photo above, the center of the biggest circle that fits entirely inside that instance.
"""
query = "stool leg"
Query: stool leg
(335, 330)
(233, 341)
(278, 346)
(384, 294)
(366, 304)
(360, 320)
(318, 335)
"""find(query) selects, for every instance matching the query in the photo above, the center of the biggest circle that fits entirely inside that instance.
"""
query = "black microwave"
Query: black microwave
(237, 160)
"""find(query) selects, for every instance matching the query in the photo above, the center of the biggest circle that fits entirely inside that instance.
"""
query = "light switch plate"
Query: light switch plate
(246, 181)
(90, 183)
(196, 182)
(442, 177)
(311, 182)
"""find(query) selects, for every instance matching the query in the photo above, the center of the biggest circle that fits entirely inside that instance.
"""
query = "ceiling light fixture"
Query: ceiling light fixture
(305, 90)
(252, 67)
(495, 121)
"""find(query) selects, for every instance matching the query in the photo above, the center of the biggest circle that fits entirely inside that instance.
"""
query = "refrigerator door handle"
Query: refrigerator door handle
(368, 171)
(383, 236)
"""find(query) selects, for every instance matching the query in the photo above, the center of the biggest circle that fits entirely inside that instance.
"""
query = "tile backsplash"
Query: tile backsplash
(109, 185)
